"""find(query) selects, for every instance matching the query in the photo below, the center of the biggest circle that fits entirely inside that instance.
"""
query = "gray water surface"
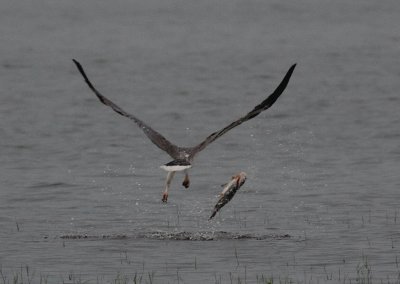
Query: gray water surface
(80, 196)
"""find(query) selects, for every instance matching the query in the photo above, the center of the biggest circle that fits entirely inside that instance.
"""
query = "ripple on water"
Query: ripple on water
(181, 236)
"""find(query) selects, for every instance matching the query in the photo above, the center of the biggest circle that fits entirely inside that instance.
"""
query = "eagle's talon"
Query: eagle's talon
(165, 197)
(186, 183)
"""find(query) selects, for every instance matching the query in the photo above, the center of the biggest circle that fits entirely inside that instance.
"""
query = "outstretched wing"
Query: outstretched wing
(155, 137)
(267, 103)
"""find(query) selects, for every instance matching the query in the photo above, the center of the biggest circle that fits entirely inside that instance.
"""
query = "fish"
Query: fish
(229, 191)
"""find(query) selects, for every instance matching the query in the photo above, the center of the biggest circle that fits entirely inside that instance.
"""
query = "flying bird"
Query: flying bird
(183, 156)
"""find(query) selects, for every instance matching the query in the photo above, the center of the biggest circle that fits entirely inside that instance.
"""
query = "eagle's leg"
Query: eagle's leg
(170, 175)
(186, 181)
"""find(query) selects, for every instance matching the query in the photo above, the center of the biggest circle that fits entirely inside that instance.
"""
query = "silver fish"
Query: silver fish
(229, 191)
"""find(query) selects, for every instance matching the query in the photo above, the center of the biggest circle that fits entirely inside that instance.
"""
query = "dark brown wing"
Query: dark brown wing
(267, 103)
(155, 137)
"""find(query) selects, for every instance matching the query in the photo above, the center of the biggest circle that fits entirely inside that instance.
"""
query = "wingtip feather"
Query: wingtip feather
(78, 65)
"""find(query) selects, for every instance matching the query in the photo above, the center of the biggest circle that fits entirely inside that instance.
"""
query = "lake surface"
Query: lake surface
(80, 196)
